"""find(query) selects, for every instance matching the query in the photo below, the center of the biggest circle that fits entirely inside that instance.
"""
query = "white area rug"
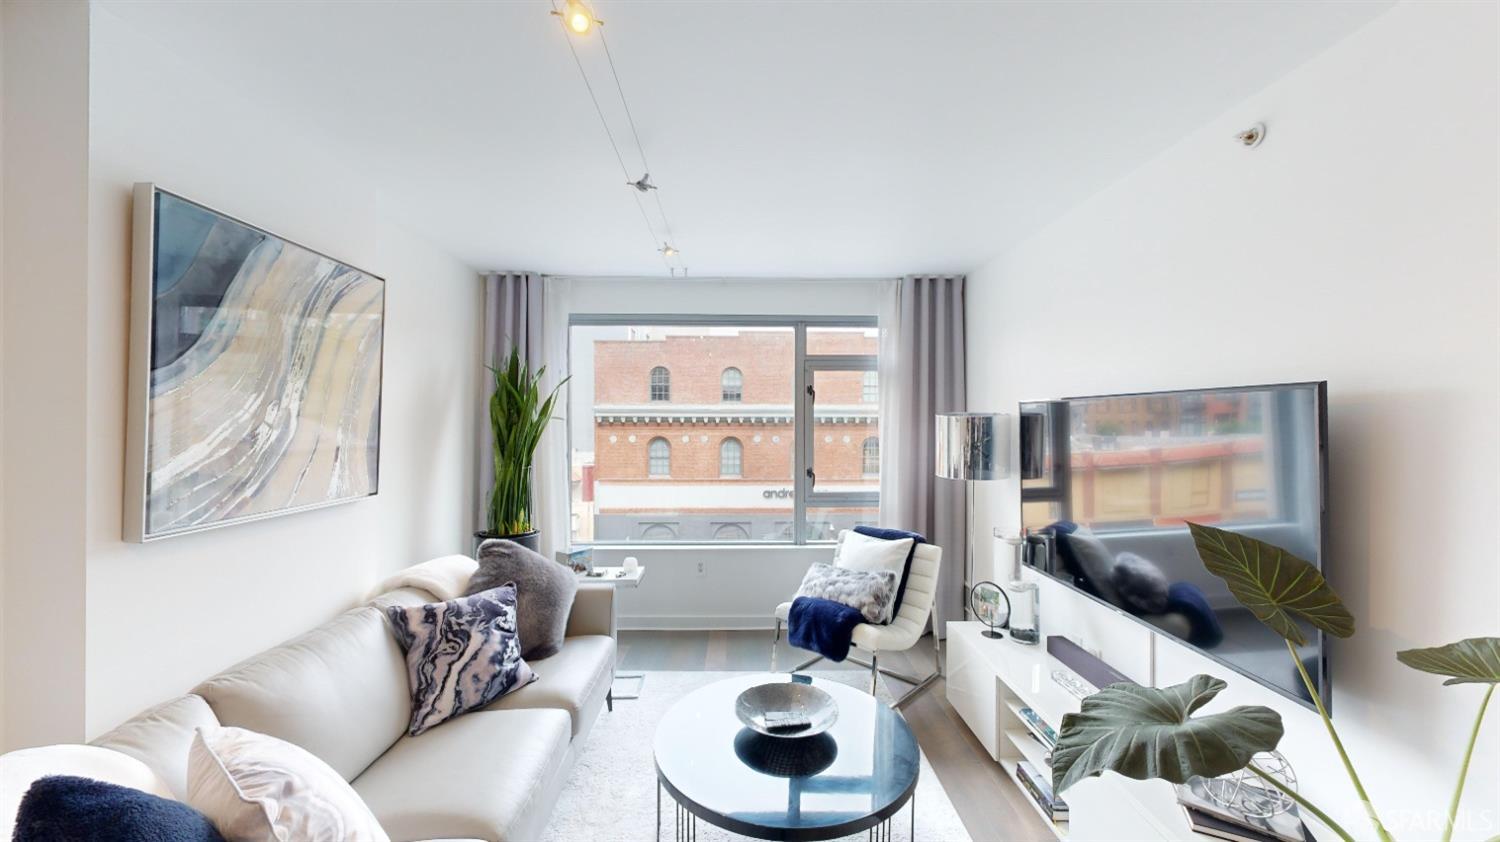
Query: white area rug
(611, 794)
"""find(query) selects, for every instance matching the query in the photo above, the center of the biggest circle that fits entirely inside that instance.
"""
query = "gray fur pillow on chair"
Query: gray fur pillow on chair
(544, 593)
(869, 591)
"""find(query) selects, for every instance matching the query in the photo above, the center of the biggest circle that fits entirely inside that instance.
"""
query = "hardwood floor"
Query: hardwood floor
(991, 806)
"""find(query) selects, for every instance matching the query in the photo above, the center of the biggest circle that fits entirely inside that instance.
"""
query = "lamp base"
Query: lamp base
(995, 635)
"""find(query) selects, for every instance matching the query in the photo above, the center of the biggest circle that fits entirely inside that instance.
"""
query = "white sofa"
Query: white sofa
(341, 692)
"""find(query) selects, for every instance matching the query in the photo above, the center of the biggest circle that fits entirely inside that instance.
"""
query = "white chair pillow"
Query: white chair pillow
(256, 787)
(874, 555)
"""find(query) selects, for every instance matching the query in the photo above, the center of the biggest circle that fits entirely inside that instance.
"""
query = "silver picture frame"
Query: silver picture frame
(231, 459)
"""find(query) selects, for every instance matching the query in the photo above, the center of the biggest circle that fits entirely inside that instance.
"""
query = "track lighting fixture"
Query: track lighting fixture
(577, 17)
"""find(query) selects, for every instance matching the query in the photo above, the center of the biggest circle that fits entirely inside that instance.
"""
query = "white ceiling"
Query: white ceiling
(794, 138)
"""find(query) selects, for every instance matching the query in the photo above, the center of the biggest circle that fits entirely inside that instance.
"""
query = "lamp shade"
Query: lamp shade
(972, 446)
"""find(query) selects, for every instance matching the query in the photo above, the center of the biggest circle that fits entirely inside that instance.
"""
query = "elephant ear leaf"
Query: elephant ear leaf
(1146, 732)
(1272, 583)
(1472, 661)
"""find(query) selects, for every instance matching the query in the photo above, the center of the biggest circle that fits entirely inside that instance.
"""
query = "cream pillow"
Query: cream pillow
(256, 788)
(874, 555)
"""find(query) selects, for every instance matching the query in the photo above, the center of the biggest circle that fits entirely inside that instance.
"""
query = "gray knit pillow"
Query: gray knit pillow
(870, 591)
(544, 593)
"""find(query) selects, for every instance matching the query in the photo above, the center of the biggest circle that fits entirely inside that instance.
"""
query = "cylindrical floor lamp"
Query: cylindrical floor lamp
(973, 447)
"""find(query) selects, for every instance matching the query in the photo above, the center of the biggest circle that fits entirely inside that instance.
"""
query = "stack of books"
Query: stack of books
(1039, 787)
(1210, 818)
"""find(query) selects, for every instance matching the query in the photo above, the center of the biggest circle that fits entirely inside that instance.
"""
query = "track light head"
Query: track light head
(577, 17)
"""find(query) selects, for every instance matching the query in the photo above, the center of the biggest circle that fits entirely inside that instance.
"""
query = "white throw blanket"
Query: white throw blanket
(445, 577)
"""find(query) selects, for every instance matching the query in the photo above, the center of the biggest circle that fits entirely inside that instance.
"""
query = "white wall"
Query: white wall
(1357, 245)
(163, 616)
(45, 200)
(737, 587)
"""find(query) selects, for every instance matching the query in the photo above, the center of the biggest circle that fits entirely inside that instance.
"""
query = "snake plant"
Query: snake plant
(519, 415)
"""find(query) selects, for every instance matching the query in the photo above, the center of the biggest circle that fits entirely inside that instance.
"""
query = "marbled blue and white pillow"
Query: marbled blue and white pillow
(461, 654)
(870, 591)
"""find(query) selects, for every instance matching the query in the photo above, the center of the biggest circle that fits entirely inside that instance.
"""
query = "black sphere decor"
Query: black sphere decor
(984, 601)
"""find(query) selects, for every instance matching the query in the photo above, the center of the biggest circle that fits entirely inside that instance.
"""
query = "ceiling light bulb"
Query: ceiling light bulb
(578, 17)
(667, 250)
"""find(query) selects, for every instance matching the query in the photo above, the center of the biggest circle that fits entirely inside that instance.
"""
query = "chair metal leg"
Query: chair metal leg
(775, 644)
(874, 671)
(919, 683)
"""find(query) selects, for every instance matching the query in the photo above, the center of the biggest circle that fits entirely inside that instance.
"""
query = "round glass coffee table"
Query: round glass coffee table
(853, 777)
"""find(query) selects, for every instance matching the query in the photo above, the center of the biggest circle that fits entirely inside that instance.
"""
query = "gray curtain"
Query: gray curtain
(513, 315)
(922, 373)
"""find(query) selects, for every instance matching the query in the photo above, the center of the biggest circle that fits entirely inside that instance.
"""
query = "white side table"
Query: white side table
(619, 577)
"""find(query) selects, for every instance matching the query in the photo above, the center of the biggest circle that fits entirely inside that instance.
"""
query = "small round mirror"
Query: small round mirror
(991, 606)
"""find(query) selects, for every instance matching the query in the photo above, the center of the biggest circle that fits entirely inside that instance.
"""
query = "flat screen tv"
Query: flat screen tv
(1108, 482)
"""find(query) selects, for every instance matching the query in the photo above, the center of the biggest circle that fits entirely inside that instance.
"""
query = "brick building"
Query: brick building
(693, 435)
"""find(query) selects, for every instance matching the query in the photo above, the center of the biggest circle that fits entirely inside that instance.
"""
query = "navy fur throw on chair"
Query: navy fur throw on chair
(64, 808)
(822, 626)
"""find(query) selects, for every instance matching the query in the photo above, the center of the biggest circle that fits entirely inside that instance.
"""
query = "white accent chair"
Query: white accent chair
(901, 634)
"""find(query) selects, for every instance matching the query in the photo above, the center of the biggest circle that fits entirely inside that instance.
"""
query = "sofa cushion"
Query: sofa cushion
(574, 680)
(544, 593)
(253, 786)
(460, 655)
(160, 737)
(482, 776)
(338, 691)
(871, 592)
(862, 551)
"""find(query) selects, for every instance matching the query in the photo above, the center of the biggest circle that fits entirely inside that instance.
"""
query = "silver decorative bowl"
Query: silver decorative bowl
(753, 704)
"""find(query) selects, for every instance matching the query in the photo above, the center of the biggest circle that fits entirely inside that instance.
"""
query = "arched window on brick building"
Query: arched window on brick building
(870, 453)
(731, 458)
(659, 458)
(732, 383)
(661, 384)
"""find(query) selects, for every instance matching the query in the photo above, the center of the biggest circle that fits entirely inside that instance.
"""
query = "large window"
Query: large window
(721, 430)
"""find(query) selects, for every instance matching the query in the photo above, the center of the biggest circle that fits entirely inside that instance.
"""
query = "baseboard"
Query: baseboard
(695, 622)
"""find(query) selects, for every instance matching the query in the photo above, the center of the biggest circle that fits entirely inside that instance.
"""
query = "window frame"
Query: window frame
(805, 423)
(805, 495)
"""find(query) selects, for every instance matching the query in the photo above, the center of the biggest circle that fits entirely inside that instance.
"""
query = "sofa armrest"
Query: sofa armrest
(593, 610)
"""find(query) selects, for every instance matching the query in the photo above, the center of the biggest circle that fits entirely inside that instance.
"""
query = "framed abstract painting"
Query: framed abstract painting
(255, 373)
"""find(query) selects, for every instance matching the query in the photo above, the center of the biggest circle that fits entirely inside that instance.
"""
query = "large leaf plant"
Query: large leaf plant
(1146, 732)
(519, 415)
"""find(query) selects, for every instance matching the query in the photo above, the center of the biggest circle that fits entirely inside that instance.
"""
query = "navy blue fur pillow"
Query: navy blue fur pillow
(64, 808)
(896, 535)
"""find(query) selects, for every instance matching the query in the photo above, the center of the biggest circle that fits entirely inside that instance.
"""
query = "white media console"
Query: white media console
(990, 680)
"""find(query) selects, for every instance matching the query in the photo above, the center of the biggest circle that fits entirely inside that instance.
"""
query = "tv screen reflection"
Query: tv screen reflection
(1109, 482)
